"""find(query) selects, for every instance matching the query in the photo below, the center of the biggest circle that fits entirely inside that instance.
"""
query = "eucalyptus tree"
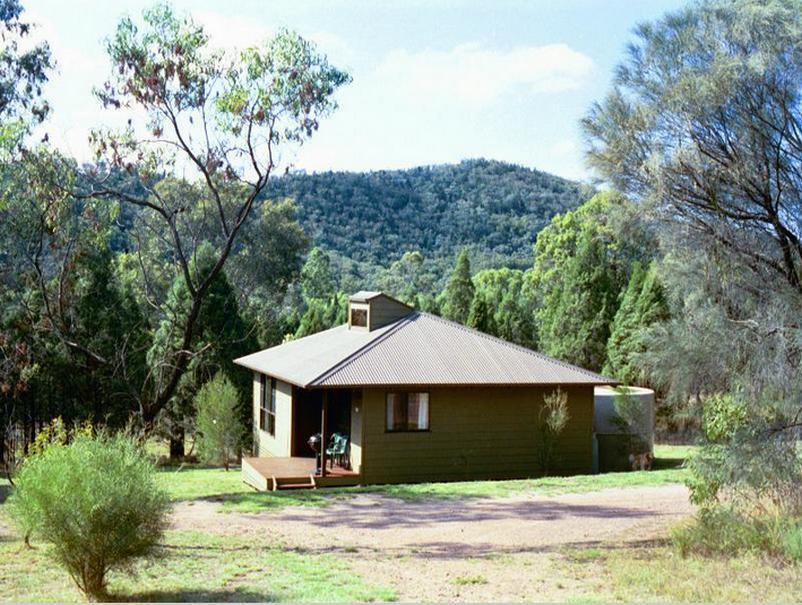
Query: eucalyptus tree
(24, 67)
(25, 63)
(220, 121)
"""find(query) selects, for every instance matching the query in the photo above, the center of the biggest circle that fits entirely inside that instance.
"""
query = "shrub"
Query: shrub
(220, 432)
(552, 420)
(95, 500)
(792, 543)
(746, 460)
(725, 531)
(721, 531)
(722, 416)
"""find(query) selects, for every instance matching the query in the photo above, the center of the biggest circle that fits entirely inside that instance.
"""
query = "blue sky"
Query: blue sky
(434, 81)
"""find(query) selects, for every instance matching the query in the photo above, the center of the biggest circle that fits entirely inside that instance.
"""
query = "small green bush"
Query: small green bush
(723, 531)
(95, 500)
(718, 531)
(220, 432)
(792, 543)
(552, 420)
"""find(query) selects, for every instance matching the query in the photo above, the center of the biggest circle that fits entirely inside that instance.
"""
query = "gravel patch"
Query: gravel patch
(471, 549)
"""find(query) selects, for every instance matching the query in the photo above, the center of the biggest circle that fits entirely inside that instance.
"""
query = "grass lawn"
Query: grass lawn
(196, 567)
(192, 483)
(202, 565)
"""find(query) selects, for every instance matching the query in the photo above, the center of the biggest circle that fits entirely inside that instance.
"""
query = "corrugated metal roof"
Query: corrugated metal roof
(420, 349)
(302, 361)
(364, 296)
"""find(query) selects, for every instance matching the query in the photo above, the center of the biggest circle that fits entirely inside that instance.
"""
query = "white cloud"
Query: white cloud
(234, 32)
(430, 107)
(231, 31)
(480, 76)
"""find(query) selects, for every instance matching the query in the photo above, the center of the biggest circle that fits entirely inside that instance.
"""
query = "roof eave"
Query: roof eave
(286, 379)
(406, 385)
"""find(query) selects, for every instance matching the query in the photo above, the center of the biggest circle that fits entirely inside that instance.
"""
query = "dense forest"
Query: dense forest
(368, 220)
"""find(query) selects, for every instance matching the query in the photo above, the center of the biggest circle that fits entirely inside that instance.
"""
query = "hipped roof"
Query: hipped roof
(417, 350)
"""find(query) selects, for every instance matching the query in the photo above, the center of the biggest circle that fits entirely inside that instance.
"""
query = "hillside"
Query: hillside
(373, 218)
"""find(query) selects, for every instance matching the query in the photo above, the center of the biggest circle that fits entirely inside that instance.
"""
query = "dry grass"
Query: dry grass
(655, 571)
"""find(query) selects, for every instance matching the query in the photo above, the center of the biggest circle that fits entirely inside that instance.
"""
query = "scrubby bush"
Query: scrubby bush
(722, 417)
(792, 543)
(220, 432)
(746, 480)
(552, 420)
(727, 531)
(94, 499)
(723, 531)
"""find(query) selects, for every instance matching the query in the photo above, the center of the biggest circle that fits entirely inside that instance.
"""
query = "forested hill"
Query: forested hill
(373, 218)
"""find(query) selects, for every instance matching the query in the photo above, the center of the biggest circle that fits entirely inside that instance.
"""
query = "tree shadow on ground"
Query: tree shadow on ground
(393, 513)
(5, 492)
(662, 464)
(236, 595)
(447, 550)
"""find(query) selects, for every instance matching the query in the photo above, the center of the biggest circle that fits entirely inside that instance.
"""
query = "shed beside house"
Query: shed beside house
(412, 397)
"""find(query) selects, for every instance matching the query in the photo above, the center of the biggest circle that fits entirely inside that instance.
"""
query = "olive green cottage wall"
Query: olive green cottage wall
(475, 433)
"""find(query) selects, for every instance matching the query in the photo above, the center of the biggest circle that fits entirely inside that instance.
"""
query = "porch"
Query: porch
(296, 472)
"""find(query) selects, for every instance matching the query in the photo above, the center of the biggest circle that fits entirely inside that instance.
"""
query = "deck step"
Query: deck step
(295, 486)
(294, 483)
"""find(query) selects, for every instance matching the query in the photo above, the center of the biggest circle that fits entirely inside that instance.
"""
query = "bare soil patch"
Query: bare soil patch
(482, 549)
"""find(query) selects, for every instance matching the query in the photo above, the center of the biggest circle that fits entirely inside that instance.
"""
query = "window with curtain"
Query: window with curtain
(267, 405)
(407, 411)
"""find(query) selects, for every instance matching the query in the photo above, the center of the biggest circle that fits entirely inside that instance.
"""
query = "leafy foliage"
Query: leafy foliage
(643, 304)
(367, 221)
(96, 501)
(504, 305)
(582, 263)
(317, 280)
(553, 417)
(700, 130)
(322, 314)
(23, 68)
(411, 281)
(220, 430)
(455, 301)
(723, 531)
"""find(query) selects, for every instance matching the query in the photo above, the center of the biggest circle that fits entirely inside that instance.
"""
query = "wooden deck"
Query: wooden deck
(270, 473)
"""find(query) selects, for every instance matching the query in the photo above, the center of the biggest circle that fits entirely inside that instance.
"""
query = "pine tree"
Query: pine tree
(458, 294)
(480, 316)
(575, 322)
(220, 430)
(582, 265)
(643, 304)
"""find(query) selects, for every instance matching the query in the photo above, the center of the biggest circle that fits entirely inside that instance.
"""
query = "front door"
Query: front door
(307, 406)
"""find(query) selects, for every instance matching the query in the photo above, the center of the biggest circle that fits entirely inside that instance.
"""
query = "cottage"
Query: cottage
(398, 395)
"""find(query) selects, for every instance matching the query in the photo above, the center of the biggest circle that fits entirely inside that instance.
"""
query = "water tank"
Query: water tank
(623, 427)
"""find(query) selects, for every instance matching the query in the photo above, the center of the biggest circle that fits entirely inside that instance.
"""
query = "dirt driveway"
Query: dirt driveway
(467, 549)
